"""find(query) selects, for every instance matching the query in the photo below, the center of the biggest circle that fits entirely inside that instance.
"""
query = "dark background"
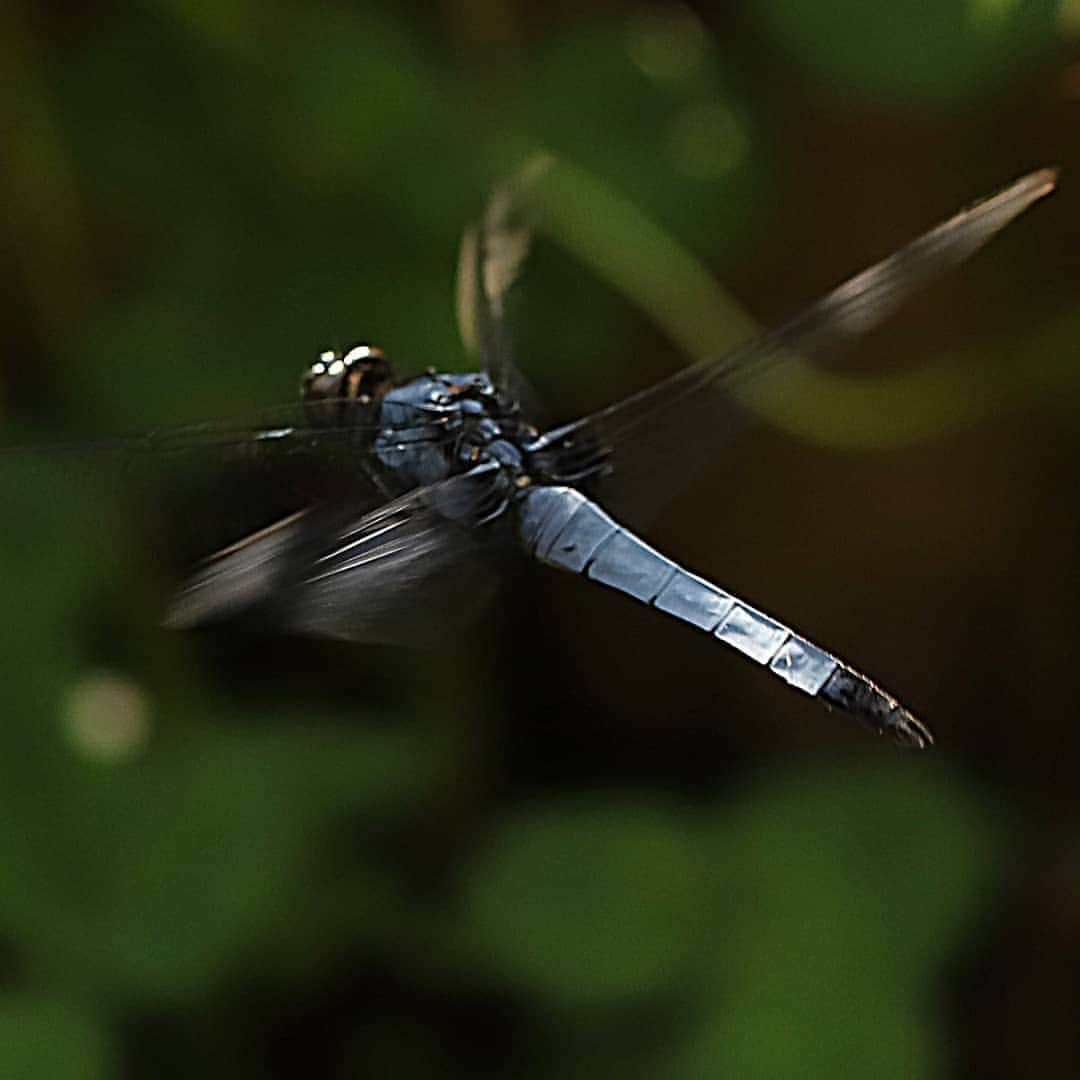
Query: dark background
(583, 840)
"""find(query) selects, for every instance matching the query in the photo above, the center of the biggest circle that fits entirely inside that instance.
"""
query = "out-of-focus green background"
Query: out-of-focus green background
(584, 841)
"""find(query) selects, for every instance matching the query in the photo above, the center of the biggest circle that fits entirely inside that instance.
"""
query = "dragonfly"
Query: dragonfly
(450, 472)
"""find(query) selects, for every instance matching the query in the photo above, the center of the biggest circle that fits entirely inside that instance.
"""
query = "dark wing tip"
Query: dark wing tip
(1015, 198)
(1041, 181)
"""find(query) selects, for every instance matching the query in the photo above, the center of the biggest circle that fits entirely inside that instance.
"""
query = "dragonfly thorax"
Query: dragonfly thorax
(440, 424)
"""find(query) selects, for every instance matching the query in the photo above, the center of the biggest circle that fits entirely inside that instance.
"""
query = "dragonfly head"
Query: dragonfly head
(362, 375)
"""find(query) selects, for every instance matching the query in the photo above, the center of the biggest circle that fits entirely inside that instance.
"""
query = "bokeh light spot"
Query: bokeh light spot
(990, 13)
(706, 140)
(668, 44)
(106, 717)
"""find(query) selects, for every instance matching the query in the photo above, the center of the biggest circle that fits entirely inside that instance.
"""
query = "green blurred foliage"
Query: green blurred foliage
(43, 1037)
(824, 892)
(591, 904)
(526, 858)
(942, 54)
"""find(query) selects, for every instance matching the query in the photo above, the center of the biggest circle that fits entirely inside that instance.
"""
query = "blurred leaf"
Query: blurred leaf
(150, 878)
(837, 892)
(357, 90)
(46, 234)
(819, 1036)
(590, 902)
(639, 258)
(161, 874)
(229, 27)
(46, 1039)
(688, 148)
(909, 52)
(852, 878)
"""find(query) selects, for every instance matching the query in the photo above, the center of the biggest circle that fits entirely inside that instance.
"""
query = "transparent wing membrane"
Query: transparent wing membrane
(401, 573)
(677, 420)
(493, 252)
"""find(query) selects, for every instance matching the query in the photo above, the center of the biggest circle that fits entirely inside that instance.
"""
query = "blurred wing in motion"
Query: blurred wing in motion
(408, 572)
(669, 427)
(199, 486)
(492, 254)
(326, 430)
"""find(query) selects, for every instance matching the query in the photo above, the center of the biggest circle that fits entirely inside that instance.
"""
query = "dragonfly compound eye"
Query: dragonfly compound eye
(363, 375)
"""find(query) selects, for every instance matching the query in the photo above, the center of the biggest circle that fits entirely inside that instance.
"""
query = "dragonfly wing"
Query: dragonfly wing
(239, 578)
(331, 430)
(407, 572)
(671, 425)
(492, 254)
(197, 487)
